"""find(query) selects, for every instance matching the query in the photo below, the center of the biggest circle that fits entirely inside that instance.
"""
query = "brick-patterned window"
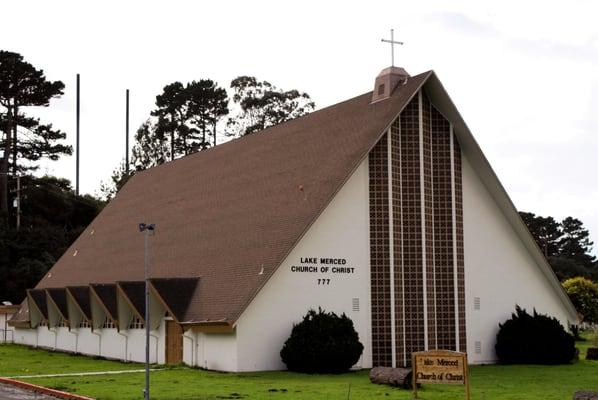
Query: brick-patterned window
(380, 255)
(443, 231)
(411, 229)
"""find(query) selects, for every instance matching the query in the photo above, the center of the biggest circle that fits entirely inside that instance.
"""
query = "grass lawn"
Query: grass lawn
(488, 382)
(22, 360)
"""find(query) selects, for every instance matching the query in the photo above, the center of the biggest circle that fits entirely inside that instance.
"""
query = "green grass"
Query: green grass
(22, 360)
(490, 382)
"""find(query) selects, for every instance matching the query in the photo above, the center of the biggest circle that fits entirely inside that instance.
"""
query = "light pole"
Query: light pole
(147, 229)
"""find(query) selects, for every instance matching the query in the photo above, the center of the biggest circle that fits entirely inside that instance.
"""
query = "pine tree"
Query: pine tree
(21, 86)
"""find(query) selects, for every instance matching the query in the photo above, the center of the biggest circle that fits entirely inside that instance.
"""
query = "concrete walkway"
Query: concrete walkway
(9, 392)
(127, 371)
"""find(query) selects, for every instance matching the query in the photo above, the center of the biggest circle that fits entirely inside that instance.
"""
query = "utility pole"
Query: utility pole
(78, 147)
(127, 137)
(18, 202)
(147, 230)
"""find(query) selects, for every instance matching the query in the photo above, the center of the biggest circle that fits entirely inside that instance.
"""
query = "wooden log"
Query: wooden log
(584, 395)
(398, 377)
(592, 353)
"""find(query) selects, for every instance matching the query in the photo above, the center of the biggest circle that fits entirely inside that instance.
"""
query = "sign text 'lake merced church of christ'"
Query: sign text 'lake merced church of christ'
(382, 207)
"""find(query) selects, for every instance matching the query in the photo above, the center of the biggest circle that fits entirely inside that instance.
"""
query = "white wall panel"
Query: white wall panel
(342, 232)
(499, 271)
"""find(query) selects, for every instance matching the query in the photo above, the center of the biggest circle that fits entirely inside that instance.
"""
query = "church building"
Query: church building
(382, 207)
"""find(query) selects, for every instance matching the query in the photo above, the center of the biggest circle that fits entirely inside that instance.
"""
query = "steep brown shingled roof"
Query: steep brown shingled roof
(224, 214)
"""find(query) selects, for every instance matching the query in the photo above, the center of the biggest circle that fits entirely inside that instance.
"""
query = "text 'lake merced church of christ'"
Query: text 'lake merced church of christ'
(382, 207)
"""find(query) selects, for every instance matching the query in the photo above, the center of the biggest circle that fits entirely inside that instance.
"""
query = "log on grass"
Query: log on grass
(592, 353)
(398, 377)
(584, 395)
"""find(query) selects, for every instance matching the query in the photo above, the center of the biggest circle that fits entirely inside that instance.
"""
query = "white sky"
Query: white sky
(522, 73)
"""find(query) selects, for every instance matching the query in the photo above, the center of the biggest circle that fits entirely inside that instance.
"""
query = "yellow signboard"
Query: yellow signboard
(440, 367)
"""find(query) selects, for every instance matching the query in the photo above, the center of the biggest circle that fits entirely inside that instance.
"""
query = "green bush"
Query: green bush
(584, 296)
(322, 343)
(533, 339)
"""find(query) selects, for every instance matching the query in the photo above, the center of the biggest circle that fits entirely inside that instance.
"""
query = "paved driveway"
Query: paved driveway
(8, 392)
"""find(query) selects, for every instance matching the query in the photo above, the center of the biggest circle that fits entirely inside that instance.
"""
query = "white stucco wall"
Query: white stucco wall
(499, 270)
(126, 345)
(214, 351)
(342, 232)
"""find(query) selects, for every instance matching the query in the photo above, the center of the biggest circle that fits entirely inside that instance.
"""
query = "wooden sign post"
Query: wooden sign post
(440, 367)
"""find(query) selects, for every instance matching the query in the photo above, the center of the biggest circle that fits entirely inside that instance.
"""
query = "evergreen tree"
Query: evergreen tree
(185, 115)
(171, 114)
(52, 218)
(575, 242)
(207, 103)
(545, 230)
(566, 245)
(21, 86)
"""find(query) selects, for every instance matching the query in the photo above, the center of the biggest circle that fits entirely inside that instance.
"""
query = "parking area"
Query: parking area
(8, 392)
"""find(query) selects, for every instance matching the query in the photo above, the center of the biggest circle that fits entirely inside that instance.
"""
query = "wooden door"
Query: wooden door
(174, 343)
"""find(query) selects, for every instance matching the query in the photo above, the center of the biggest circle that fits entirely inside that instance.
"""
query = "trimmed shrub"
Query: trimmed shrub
(322, 343)
(533, 339)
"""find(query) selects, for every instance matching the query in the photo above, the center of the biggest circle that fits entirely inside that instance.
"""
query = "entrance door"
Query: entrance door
(174, 343)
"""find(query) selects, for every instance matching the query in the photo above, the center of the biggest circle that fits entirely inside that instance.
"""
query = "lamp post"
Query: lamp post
(147, 230)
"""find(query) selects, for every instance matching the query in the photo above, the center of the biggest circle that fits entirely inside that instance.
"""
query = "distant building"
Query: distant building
(382, 207)
(7, 310)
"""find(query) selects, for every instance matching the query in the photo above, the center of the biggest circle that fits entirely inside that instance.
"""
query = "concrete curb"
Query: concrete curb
(44, 390)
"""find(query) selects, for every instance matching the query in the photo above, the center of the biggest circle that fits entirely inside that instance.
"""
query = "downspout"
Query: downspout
(193, 362)
(156, 337)
(76, 333)
(126, 336)
(54, 331)
(99, 335)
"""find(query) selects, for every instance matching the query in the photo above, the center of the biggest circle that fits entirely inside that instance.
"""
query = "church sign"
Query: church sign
(323, 265)
(440, 367)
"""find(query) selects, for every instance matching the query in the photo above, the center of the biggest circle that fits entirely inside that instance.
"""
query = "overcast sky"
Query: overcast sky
(524, 74)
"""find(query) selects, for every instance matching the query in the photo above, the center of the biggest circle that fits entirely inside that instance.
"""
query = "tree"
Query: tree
(566, 245)
(150, 148)
(575, 243)
(565, 268)
(207, 103)
(52, 218)
(171, 116)
(184, 117)
(187, 114)
(584, 296)
(22, 85)
(120, 176)
(261, 105)
(545, 230)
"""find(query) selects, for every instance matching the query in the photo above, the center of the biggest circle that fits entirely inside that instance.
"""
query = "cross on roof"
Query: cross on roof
(392, 46)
